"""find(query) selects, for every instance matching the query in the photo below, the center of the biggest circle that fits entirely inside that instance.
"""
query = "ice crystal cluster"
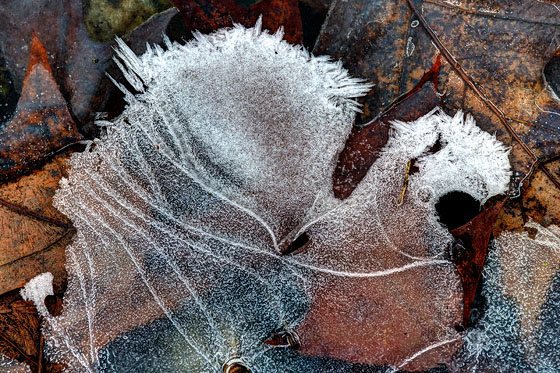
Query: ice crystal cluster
(222, 158)
(519, 328)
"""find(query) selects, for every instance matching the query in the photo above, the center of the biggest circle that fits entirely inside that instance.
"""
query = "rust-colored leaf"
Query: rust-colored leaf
(469, 252)
(364, 143)
(79, 64)
(20, 335)
(209, 15)
(33, 233)
(41, 124)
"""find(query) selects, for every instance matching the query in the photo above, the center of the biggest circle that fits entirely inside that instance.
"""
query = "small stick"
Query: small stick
(405, 183)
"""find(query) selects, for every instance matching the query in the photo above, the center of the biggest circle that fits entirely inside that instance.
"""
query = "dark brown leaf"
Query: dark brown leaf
(209, 15)
(469, 253)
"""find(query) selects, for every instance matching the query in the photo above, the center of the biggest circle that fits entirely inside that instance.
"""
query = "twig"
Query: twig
(40, 358)
(50, 245)
(15, 347)
(27, 212)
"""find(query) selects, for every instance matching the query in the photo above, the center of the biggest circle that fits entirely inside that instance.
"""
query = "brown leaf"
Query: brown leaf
(494, 52)
(19, 329)
(20, 336)
(41, 124)
(33, 234)
(209, 15)
(469, 252)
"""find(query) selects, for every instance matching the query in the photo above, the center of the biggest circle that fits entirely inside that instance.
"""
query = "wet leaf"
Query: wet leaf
(469, 253)
(79, 64)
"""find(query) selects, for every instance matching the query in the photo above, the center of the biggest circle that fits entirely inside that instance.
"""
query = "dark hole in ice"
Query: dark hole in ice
(552, 74)
(54, 305)
(298, 243)
(459, 328)
(456, 208)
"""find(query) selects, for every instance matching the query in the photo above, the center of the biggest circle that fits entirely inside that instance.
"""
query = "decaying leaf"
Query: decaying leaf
(41, 124)
(105, 19)
(192, 215)
(19, 331)
(65, 85)
(469, 252)
(20, 335)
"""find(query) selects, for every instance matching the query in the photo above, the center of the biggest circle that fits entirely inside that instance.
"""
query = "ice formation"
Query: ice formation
(518, 330)
(37, 289)
(8, 365)
(221, 160)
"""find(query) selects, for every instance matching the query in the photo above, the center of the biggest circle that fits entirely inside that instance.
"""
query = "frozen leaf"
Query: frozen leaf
(401, 246)
(518, 329)
(193, 213)
(10, 366)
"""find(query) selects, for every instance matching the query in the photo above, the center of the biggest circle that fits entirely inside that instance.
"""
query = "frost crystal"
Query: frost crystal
(10, 366)
(37, 289)
(220, 162)
(518, 331)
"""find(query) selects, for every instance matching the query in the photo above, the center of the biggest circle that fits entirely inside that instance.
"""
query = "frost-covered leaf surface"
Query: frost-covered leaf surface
(8, 365)
(220, 162)
(518, 331)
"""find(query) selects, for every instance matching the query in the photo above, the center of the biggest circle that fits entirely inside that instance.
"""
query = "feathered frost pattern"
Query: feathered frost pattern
(470, 161)
(269, 51)
(223, 158)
